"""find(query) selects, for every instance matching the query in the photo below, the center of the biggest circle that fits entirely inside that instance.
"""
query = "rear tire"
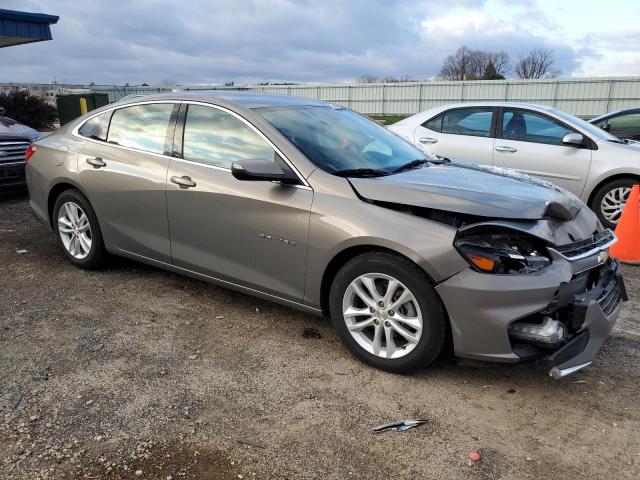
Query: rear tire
(77, 231)
(411, 334)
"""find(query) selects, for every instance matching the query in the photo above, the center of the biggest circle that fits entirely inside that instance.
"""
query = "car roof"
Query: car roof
(426, 114)
(244, 99)
(488, 103)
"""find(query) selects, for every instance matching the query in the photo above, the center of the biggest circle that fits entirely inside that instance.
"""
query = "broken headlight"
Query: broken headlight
(502, 251)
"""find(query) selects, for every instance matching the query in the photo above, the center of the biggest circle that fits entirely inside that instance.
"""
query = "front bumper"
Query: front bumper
(12, 175)
(595, 312)
(584, 295)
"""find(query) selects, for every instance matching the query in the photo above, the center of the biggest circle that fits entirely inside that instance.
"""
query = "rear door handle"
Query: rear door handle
(96, 162)
(427, 140)
(504, 148)
(183, 182)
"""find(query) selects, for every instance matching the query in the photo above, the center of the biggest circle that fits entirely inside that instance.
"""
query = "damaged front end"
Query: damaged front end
(533, 299)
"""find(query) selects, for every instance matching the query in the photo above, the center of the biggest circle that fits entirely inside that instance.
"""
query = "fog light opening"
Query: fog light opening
(548, 333)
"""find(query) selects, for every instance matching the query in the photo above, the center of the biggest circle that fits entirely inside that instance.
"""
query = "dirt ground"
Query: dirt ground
(132, 372)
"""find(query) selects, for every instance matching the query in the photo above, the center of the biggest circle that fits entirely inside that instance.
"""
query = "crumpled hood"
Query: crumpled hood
(472, 189)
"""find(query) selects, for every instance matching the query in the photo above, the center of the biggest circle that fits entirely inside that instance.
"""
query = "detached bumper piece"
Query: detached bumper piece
(592, 314)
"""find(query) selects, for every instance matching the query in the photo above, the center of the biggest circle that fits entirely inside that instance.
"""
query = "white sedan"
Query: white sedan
(538, 140)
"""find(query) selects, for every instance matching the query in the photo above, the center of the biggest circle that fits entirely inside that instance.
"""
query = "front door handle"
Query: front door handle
(427, 140)
(183, 182)
(504, 148)
(96, 162)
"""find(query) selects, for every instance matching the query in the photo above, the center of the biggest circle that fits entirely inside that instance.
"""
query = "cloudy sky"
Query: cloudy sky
(207, 41)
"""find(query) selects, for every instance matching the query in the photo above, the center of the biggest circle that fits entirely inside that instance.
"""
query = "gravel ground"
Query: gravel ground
(132, 372)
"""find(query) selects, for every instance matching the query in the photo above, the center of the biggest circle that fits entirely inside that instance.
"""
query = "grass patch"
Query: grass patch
(387, 119)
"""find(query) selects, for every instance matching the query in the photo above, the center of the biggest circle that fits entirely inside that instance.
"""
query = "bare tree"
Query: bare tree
(368, 79)
(467, 64)
(400, 79)
(538, 63)
(167, 83)
(462, 65)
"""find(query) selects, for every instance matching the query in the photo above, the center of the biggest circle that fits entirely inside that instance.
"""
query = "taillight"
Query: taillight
(30, 151)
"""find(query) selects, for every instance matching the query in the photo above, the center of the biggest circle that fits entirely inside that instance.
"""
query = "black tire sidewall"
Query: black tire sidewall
(602, 191)
(431, 308)
(96, 255)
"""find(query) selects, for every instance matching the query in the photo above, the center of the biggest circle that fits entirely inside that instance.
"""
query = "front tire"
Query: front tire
(77, 231)
(610, 199)
(386, 311)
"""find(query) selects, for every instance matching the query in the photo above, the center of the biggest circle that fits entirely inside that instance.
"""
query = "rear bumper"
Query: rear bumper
(481, 308)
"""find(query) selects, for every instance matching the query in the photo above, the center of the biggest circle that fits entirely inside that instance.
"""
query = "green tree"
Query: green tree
(491, 73)
(28, 109)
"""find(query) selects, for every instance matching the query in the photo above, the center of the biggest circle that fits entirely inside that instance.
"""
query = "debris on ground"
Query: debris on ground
(474, 456)
(251, 443)
(401, 426)
(16, 400)
(22, 251)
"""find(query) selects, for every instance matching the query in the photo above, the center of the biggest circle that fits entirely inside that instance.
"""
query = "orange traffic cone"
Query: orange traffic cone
(627, 250)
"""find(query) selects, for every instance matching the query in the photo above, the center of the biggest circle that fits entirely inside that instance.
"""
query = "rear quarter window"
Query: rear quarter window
(96, 127)
(434, 124)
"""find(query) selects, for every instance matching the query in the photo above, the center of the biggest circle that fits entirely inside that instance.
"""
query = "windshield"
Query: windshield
(337, 139)
(589, 127)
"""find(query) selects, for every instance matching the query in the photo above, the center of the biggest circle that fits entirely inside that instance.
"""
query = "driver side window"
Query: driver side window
(215, 137)
(524, 126)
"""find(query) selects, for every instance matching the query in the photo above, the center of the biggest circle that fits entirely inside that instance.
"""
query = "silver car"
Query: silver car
(319, 208)
(542, 141)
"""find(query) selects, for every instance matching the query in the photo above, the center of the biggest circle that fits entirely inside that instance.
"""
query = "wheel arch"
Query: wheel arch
(604, 181)
(56, 190)
(346, 254)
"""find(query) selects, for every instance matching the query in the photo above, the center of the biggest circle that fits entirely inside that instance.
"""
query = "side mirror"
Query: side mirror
(2, 110)
(606, 126)
(575, 139)
(262, 170)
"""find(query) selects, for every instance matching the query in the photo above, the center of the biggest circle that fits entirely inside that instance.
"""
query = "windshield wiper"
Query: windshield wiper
(360, 172)
(411, 165)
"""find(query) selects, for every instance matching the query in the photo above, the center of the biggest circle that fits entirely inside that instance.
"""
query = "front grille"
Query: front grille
(583, 248)
(610, 299)
(13, 151)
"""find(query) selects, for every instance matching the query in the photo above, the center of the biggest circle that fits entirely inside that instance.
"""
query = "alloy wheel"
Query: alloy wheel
(382, 315)
(74, 230)
(613, 203)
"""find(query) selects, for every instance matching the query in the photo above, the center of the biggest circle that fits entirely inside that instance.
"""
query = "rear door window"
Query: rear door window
(141, 126)
(215, 137)
(468, 121)
(527, 126)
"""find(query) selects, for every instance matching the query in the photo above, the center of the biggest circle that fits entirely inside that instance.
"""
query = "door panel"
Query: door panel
(251, 233)
(126, 186)
(128, 195)
(532, 143)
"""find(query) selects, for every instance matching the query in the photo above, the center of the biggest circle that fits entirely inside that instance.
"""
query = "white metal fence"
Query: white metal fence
(585, 97)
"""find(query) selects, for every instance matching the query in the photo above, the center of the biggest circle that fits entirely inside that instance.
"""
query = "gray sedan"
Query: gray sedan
(315, 206)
